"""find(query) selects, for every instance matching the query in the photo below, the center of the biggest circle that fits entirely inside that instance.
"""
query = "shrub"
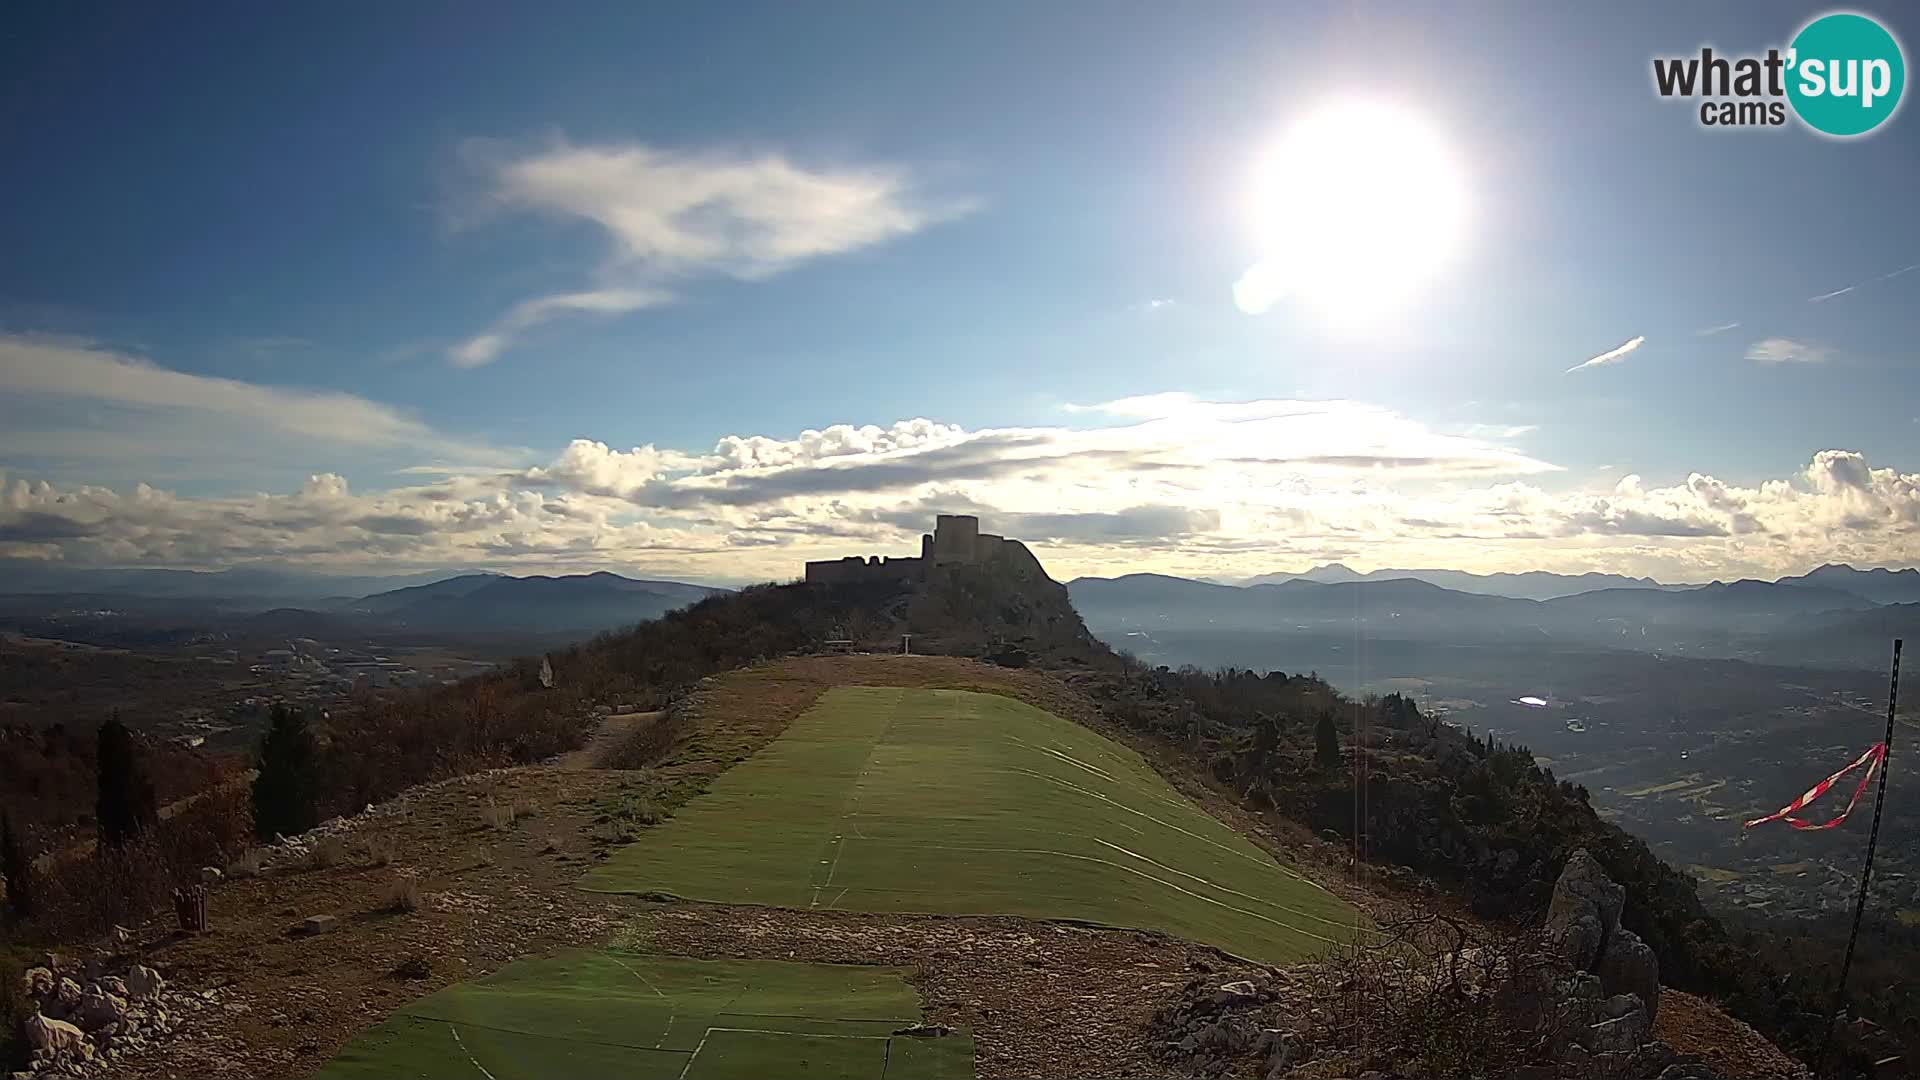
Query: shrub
(16, 865)
(403, 896)
(14, 1010)
(248, 865)
(330, 852)
(495, 814)
(380, 850)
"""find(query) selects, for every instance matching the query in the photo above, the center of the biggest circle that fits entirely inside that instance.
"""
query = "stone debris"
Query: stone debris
(85, 1019)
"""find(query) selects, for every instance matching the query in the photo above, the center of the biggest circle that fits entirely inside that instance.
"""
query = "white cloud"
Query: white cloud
(1785, 351)
(1166, 482)
(1611, 356)
(157, 410)
(1844, 290)
(673, 216)
(484, 348)
(1721, 329)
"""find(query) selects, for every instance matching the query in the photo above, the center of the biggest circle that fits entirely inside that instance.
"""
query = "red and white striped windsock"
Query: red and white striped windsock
(1872, 759)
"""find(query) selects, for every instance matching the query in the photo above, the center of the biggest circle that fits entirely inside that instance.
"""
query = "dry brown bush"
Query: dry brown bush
(330, 852)
(403, 896)
(82, 897)
(1433, 994)
(380, 850)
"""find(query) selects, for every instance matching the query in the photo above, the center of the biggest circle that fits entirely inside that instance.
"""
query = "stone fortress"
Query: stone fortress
(956, 541)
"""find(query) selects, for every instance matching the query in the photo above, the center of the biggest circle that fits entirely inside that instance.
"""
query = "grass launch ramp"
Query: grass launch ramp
(633, 1016)
(947, 801)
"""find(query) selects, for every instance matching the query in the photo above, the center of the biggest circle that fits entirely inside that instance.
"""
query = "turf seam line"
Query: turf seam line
(470, 1058)
(1161, 881)
(539, 1035)
(853, 800)
(1216, 885)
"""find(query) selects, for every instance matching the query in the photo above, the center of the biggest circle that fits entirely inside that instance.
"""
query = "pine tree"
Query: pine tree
(1326, 742)
(125, 803)
(283, 793)
(17, 866)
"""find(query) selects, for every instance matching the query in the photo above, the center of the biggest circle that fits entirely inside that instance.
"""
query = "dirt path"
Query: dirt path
(604, 742)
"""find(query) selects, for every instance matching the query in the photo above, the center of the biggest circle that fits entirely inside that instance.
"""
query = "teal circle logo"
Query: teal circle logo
(1845, 73)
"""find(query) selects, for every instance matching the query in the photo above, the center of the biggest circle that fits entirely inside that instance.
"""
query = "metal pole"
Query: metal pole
(1866, 871)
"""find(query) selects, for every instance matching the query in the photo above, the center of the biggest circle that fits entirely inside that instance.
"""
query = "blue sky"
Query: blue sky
(980, 215)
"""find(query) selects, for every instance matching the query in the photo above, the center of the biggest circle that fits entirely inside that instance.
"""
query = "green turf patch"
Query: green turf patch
(616, 1013)
(961, 803)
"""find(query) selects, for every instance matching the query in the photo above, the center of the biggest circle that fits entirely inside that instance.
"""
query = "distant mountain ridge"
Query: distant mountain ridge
(1531, 585)
(536, 604)
(1723, 618)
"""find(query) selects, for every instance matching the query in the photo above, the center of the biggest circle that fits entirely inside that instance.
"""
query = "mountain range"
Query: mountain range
(1882, 586)
(1831, 615)
(537, 604)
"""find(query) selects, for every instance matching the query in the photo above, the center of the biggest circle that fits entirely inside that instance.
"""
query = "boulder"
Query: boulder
(1584, 912)
(53, 1037)
(1622, 1034)
(67, 996)
(99, 1009)
(143, 982)
(37, 983)
(1628, 966)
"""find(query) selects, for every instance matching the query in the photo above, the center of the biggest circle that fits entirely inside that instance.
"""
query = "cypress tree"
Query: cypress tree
(283, 792)
(1326, 742)
(125, 803)
(17, 866)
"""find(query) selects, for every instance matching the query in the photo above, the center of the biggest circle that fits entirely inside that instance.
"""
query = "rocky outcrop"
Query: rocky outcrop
(1583, 928)
(1214, 1027)
(85, 1019)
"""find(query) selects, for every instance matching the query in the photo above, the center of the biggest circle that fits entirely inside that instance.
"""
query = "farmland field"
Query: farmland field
(952, 802)
(617, 1013)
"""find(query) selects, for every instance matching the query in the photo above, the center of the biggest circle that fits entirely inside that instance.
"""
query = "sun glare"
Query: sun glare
(1357, 207)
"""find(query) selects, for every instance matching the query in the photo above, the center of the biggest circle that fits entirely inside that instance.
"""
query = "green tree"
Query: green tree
(285, 799)
(17, 867)
(125, 803)
(1326, 742)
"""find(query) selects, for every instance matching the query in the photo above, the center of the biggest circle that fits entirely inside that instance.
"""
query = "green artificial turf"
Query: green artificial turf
(961, 803)
(619, 1014)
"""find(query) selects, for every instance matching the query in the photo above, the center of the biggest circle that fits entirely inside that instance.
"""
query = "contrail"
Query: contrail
(1869, 281)
(1610, 356)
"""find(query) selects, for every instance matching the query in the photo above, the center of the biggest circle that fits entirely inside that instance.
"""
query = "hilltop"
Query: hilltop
(1451, 823)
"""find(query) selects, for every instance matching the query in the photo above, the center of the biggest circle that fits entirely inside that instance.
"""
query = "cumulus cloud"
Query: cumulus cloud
(1785, 351)
(1611, 356)
(1166, 482)
(671, 216)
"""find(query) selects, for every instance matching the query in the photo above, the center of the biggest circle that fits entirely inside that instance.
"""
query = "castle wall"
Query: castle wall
(956, 540)
(854, 568)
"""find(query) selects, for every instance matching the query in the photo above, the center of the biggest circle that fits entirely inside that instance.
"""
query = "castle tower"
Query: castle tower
(956, 539)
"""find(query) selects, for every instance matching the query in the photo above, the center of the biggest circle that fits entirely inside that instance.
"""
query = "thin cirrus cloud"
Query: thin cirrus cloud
(1778, 350)
(1721, 329)
(672, 217)
(1845, 289)
(1611, 356)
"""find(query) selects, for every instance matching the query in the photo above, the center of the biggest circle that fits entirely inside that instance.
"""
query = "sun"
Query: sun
(1357, 207)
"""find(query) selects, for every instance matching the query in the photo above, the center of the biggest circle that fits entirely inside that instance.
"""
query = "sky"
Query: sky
(703, 291)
